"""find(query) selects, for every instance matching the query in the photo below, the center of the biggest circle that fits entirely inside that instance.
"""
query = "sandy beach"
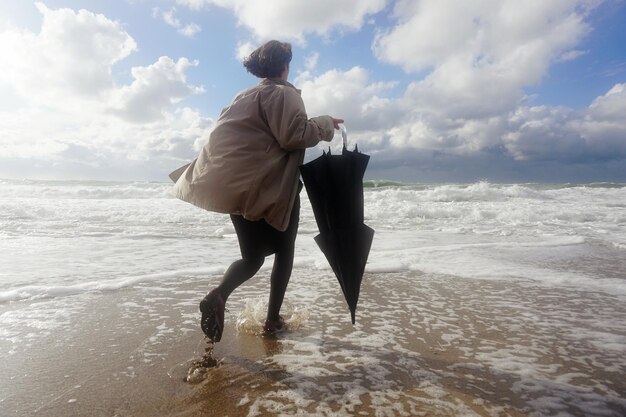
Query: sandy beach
(422, 345)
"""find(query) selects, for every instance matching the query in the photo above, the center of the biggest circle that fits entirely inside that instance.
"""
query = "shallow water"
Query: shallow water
(422, 345)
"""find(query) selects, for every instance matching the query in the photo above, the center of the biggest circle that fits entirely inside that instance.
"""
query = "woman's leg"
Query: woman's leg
(283, 265)
(251, 236)
(281, 272)
(239, 272)
(252, 257)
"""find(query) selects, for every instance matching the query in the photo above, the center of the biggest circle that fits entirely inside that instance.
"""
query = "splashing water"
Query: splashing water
(194, 371)
(252, 317)
(197, 372)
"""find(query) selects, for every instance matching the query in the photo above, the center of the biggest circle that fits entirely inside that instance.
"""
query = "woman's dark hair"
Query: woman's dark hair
(268, 60)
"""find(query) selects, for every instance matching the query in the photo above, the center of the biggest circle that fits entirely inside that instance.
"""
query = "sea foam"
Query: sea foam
(67, 238)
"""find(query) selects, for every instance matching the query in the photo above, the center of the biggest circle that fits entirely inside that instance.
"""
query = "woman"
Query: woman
(249, 169)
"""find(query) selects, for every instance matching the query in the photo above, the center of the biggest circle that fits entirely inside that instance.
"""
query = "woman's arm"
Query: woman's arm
(289, 123)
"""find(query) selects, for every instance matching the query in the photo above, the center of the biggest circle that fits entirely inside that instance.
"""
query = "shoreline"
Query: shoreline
(437, 345)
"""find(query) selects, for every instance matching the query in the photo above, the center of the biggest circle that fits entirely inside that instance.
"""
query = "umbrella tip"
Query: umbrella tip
(353, 316)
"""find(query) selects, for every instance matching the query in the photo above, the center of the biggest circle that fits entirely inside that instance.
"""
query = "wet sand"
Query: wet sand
(422, 345)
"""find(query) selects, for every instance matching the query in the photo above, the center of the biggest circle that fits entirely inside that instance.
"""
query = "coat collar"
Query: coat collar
(280, 81)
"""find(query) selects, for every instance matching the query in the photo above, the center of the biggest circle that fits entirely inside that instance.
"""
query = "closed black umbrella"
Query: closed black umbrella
(334, 184)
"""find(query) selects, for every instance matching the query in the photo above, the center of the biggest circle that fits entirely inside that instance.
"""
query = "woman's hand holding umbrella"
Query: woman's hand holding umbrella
(337, 122)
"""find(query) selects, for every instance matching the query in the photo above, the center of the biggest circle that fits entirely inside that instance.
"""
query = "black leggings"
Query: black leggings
(257, 239)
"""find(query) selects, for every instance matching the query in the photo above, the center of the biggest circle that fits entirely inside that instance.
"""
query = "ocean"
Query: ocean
(478, 299)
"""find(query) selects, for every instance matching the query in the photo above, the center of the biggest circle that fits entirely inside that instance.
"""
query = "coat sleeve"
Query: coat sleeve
(287, 119)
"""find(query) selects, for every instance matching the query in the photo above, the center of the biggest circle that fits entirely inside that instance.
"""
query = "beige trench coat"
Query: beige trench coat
(250, 164)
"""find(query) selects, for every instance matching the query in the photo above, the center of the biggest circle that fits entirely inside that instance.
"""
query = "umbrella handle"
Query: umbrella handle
(344, 135)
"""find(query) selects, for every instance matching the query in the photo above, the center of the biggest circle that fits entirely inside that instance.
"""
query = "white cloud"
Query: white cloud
(497, 48)
(169, 17)
(195, 4)
(526, 133)
(98, 146)
(595, 133)
(604, 124)
(310, 62)
(422, 36)
(349, 95)
(543, 133)
(68, 67)
(244, 50)
(154, 90)
(490, 31)
(292, 20)
(85, 122)
(391, 130)
(190, 30)
(71, 55)
(611, 106)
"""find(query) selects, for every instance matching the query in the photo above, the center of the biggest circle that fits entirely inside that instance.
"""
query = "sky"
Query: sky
(433, 90)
